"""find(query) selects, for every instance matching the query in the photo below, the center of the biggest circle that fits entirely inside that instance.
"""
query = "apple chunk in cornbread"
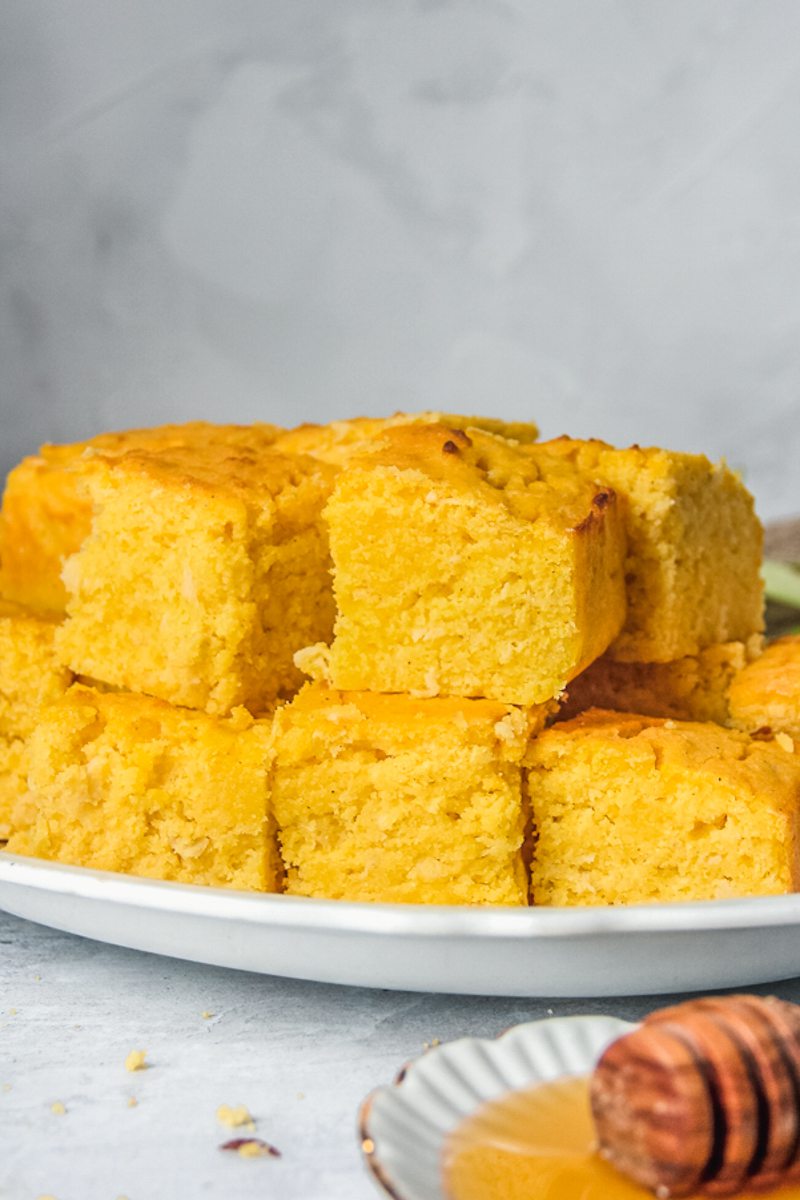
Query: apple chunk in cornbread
(340, 441)
(129, 783)
(767, 691)
(45, 515)
(630, 809)
(393, 798)
(204, 572)
(694, 548)
(465, 567)
(30, 677)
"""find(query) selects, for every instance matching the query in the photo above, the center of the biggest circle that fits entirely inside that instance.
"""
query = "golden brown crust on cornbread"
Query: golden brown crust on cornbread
(632, 809)
(396, 798)
(694, 548)
(129, 783)
(694, 688)
(30, 677)
(463, 566)
(45, 514)
(204, 572)
(340, 441)
(767, 692)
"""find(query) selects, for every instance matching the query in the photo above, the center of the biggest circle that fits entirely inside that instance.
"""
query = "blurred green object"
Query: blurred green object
(782, 587)
(782, 583)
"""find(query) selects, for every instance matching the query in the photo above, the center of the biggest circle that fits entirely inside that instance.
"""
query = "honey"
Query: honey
(538, 1144)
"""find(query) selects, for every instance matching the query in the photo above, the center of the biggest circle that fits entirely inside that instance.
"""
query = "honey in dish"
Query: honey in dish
(538, 1144)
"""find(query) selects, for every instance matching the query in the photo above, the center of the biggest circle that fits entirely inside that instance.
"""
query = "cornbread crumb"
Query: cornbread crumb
(57, 1108)
(206, 1015)
(132, 1102)
(136, 1061)
(301, 1095)
(12, 1012)
(235, 1117)
(6, 1087)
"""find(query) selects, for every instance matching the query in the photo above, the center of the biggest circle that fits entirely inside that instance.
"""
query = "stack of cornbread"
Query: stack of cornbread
(536, 668)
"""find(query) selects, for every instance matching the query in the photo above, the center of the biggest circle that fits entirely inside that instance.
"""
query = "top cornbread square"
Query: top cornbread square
(204, 572)
(340, 441)
(45, 516)
(464, 567)
(694, 548)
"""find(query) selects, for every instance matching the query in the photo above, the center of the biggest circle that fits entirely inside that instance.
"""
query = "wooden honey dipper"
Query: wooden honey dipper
(704, 1097)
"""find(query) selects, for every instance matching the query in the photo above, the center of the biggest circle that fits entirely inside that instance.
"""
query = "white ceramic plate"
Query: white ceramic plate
(403, 1127)
(639, 950)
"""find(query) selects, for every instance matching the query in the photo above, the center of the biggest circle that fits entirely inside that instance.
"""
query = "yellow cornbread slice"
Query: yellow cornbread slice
(393, 798)
(132, 784)
(767, 691)
(45, 516)
(694, 688)
(464, 567)
(340, 441)
(30, 677)
(631, 809)
(694, 548)
(204, 572)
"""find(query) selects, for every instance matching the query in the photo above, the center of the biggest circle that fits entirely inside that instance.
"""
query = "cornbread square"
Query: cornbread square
(45, 516)
(464, 567)
(204, 572)
(694, 549)
(694, 688)
(128, 783)
(631, 809)
(30, 677)
(393, 798)
(766, 694)
(340, 441)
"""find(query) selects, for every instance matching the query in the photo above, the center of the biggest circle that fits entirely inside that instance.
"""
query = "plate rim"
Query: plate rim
(399, 920)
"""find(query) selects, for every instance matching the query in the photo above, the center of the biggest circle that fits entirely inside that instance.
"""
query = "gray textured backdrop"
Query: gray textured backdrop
(580, 210)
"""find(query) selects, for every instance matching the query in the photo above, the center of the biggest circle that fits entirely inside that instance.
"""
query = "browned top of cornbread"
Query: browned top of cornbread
(217, 469)
(677, 744)
(189, 433)
(339, 441)
(529, 484)
(18, 612)
(400, 720)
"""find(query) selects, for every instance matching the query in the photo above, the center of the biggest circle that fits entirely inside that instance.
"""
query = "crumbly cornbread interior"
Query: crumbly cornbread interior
(381, 797)
(464, 567)
(693, 688)
(30, 678)
(694, 548)
(46, 515)
(128, 783)
(631, 809)
(767, 692)
(203, 574)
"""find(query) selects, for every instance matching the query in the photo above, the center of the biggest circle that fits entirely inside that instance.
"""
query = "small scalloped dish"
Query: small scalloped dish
(501, 1120)
(407, 1127)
